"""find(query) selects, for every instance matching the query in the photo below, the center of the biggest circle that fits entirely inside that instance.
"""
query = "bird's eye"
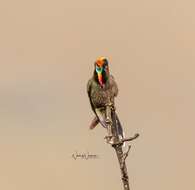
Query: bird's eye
(106, 62)
(105, 66)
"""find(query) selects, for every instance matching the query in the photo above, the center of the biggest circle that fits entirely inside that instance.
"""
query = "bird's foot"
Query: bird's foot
(111, 105)
(108, 121)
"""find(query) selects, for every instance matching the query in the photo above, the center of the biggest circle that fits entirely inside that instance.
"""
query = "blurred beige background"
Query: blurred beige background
(47, 50)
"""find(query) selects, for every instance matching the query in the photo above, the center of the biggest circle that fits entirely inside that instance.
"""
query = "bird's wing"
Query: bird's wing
(100, 115)
(114, 85)
(89, 86)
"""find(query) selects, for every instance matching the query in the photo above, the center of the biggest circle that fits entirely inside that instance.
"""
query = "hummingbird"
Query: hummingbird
(102, 90)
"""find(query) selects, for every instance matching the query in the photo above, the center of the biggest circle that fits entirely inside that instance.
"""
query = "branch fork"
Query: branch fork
(117, 143)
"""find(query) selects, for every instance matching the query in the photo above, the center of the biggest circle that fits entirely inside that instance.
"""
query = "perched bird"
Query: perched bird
(102, 89)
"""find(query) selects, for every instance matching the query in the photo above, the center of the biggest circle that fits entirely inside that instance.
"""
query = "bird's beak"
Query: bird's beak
(99, 70)
(100, 78)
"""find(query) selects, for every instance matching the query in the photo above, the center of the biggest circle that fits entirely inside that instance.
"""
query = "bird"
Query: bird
(102, 90)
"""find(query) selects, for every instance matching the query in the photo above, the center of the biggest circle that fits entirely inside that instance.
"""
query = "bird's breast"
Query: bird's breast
(102, 96)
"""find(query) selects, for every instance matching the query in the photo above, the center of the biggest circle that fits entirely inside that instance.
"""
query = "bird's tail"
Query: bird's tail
(115, 121)
(119, 128)
(118, 125)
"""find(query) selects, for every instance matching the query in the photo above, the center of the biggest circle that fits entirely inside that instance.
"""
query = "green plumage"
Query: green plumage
(101, 95)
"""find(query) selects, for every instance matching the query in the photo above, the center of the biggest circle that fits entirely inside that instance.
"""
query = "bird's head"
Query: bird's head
(101, 70)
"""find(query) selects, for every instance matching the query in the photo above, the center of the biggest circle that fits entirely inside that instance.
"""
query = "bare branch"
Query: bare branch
(125, 156)
(126, 153)
(126, 139)
(117, 144)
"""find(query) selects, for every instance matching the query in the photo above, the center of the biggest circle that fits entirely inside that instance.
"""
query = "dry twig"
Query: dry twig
(117, 145)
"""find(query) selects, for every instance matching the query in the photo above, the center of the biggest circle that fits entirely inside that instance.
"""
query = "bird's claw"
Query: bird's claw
(111, 105)
(108, 121)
